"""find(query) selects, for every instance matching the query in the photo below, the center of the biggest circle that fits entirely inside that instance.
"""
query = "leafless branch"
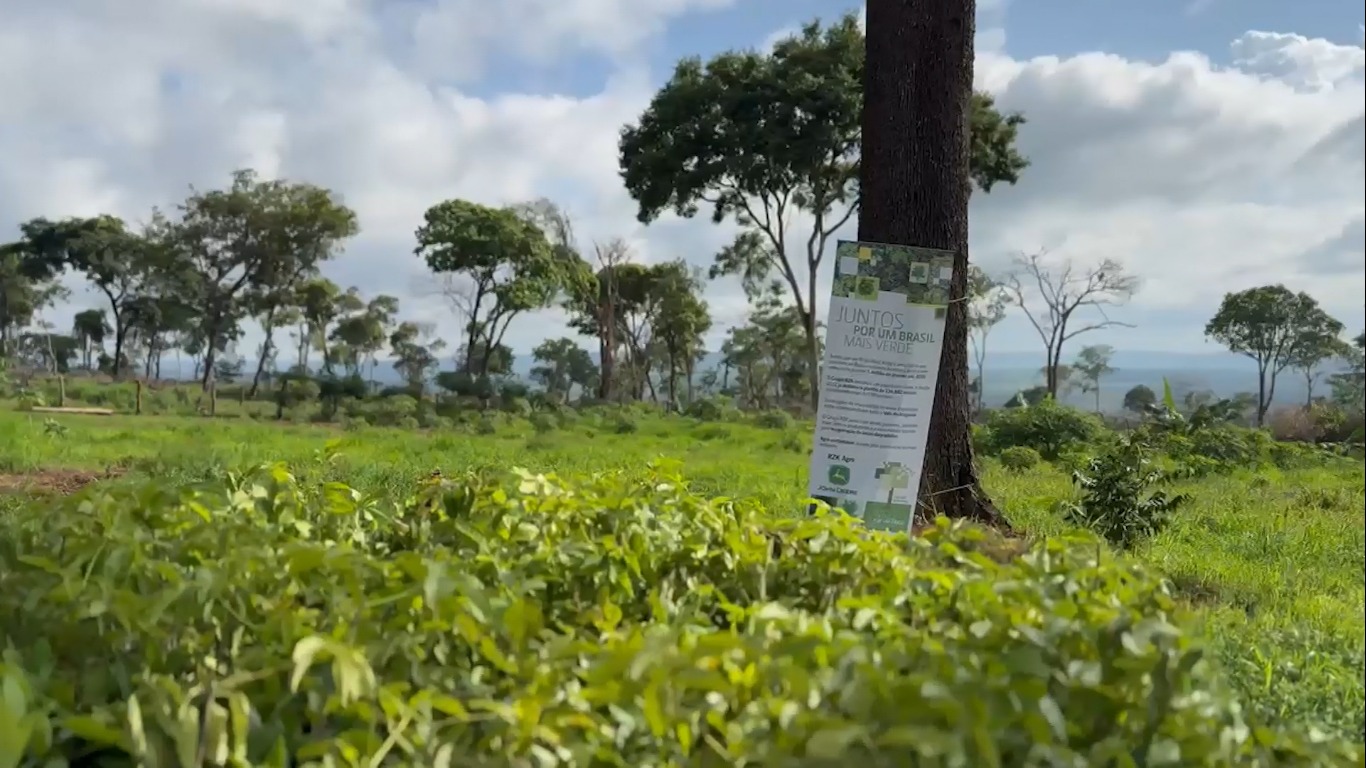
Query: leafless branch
(1063, 288)
(611, 253)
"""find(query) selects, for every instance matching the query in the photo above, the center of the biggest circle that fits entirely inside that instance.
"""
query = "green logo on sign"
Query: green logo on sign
(839, 474)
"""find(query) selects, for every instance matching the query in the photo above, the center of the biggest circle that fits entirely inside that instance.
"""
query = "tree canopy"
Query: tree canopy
(755, 132)
(1273, 326)
(759, 136)
(506, 264)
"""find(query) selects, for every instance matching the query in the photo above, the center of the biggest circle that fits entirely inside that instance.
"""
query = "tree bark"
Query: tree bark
(915, 189)
(267, 348)
(813, 352)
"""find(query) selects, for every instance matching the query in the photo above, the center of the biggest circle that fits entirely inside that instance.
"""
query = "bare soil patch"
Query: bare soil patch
(52, 481)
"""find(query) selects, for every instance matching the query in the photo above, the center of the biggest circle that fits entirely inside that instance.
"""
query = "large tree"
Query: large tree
(680, 322)
(90, 327)
(918, 167)
(321, 303)
(767, 355)
(1274, 326)
(502, 264)
(562, 365)
(1313, 352)
(593, 309)
(761, 136)
(231, 244)
(116, 261)
(359, 337)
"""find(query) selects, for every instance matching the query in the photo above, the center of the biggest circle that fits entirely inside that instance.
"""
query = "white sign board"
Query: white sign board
(884, 335)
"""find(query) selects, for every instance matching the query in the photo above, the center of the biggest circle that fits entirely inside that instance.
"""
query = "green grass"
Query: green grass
(1273, 560)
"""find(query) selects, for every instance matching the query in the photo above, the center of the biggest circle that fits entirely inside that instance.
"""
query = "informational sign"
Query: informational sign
(884, 336)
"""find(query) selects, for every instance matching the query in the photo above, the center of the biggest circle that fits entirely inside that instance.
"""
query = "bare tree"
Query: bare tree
(1063, 289)
(986, 308)
(610, 256)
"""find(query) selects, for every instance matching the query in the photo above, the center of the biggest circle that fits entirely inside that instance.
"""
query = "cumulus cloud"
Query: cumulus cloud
(1201, 178)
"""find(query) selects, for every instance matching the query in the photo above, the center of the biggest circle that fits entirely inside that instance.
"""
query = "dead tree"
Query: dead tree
(1063, 289)
(610, 256)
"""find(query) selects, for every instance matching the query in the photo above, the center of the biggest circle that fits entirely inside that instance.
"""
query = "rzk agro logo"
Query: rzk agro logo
(838, 474)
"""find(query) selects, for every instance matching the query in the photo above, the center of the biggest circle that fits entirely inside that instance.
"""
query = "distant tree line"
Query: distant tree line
(188, 280)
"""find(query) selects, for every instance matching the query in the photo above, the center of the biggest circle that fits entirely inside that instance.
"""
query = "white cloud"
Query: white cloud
(1314, 64)
(1201, 178)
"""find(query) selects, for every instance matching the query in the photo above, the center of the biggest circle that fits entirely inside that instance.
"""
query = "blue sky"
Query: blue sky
(1150, 30)
(1135, 30)
(1238, 165)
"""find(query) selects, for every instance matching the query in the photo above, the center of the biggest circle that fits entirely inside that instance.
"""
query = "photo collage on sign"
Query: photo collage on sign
(867, 272)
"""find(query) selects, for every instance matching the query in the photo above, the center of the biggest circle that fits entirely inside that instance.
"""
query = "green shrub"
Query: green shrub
(1073, 459)
(1020, 458)
(1047, 428)
(983, 441)
(624, 424)
(393, 411)
(517, 406)
(1119, 498)
(291, 391)
(543, 423)
(1218, 448)
(712, 432)
(540, 621)
(1237, 446)
(485, 425)
(774, 419)
(794, 441)
(713, 409)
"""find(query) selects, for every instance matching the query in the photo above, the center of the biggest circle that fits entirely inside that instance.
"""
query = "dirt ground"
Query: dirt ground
(50, 481)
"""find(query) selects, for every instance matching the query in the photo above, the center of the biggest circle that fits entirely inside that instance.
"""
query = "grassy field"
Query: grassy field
(1271, 560)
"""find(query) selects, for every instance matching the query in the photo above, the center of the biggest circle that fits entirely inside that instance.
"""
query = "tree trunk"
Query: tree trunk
(915, 188)
(120, 336)
(267, 347)
(206, 373)
(673, 381)
(1262, 403)
(813, 352)
(607, 345)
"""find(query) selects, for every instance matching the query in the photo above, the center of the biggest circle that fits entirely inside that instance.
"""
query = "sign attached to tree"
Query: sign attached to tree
(883, 341)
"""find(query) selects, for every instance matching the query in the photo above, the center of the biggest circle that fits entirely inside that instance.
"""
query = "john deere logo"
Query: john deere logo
(839, 474)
